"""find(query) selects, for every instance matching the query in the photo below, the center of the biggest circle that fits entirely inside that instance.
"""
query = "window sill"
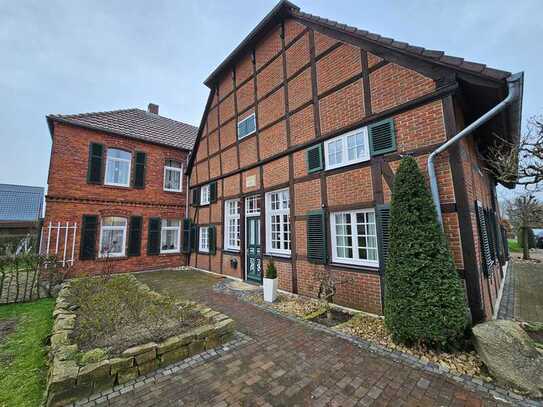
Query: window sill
(112, 258)
(118, 186)
(355, 267)
(231, 251)
(278, 255)
(172, 191)
(166, 254)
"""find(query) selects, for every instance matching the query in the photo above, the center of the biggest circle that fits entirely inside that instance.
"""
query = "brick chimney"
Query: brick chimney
(152, 108)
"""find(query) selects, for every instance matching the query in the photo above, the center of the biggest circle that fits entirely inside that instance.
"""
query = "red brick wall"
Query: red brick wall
(338, 68)
(69, 196)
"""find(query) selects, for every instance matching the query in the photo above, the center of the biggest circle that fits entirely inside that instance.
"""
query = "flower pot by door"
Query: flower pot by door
(270, 289)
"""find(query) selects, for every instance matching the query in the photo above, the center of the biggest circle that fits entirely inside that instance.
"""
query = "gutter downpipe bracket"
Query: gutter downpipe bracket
(514, 83)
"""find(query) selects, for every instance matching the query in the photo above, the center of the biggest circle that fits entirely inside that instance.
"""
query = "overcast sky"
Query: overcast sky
(76, 56)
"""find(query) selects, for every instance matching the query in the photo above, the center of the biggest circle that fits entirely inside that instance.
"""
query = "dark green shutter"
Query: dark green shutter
(153, 237)
(195, 196)
(95, 165)
(134, 236)
(194, 242)
(314, 159)
(212, 237)
(483, 239)
(316, 237)
(89, 229)
(187, 243)
(383, 232)
(213, 192)
(139, 170)
(382, 137)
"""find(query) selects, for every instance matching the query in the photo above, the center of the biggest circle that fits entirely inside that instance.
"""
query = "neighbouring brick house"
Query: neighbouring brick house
(304, 127)
(116, 189)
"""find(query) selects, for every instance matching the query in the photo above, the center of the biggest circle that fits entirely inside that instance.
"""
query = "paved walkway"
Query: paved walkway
(523, 290)
(290, 364)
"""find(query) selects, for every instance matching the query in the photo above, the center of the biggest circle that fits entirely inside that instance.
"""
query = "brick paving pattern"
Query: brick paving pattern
(288, 363)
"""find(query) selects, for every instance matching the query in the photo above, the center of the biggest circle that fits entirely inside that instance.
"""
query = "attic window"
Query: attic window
(247, 126)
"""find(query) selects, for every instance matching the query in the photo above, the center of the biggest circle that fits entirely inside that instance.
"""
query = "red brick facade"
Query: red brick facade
(70, 196)
(307, 87)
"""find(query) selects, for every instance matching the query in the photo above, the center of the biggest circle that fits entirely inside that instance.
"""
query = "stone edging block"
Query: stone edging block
(67, 382)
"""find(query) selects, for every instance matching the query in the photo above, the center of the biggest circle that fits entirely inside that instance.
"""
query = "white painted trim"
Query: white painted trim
(175, 169)
(500, 292)
(344, 148)
(354, 235)
(227, 217)
(206, 188)
(124, 228)
(119, 159)
(269, 250)
(252, 115)
(162, 227)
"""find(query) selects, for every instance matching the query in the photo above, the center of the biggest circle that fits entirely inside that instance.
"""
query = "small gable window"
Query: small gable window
(247, 126)
(204, 195)
(118, 167)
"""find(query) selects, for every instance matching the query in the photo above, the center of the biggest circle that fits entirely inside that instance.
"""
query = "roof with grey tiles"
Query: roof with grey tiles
(286, 8)
(135, 123)
(20, 203)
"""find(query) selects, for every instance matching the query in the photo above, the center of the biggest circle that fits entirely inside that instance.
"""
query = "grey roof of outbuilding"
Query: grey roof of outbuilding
(135, 123)
(20, 203)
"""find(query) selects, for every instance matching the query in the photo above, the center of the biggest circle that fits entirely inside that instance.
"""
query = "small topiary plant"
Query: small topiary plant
(271, 271)
(424, 298)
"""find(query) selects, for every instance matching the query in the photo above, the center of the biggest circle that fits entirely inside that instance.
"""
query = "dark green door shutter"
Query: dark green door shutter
(212, 236)
(383, 232)
(314, 159)
(213, 192)
(153, 239)
(195, 196)
(95, 165)
(187, 243)
(194, 243)
(316, 237)
(139, 170)
(89, 228)
(382, 137)
(134, 236)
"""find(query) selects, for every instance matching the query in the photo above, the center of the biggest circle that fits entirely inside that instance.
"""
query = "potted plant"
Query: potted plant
(270, 282)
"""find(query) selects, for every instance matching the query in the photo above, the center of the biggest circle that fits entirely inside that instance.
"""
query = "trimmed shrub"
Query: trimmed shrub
(531, 238)
(424, 298)
(271, 270)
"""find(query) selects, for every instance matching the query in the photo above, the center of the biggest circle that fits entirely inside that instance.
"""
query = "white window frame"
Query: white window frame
(281, 211)
(345, 162)
(203, 244)
(248, 210)
(354, 236)
(206, 195)
(103, 227)
(227, 218)
(115, 184)
(178, 228)
(253, 116)
(174, 169)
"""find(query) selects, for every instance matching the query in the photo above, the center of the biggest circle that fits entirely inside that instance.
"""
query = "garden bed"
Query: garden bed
(108, 331)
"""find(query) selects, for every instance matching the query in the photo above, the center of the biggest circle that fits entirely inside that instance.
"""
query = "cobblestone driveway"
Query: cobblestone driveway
(287, 364)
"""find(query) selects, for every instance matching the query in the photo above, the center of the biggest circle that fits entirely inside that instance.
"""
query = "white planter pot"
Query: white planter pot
(270, 289)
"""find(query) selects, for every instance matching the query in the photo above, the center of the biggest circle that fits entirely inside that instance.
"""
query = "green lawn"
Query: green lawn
(22, 353)
(514, 246)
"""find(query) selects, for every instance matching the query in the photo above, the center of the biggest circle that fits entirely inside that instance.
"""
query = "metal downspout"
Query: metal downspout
(513, 83)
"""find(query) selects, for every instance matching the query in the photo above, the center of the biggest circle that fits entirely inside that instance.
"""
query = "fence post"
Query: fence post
(48, 239)
(73, 242)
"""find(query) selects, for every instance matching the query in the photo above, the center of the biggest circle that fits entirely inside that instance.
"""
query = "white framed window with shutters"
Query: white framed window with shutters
(354, 237)
(347, 149)
(278, 222)
(170, 236)
(113, 237)
(203, 239)
(231, 225)
(173, 171)
(118, 165)
(204, 195)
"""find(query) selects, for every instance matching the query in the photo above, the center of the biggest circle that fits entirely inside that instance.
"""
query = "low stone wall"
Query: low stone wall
(68, 382)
